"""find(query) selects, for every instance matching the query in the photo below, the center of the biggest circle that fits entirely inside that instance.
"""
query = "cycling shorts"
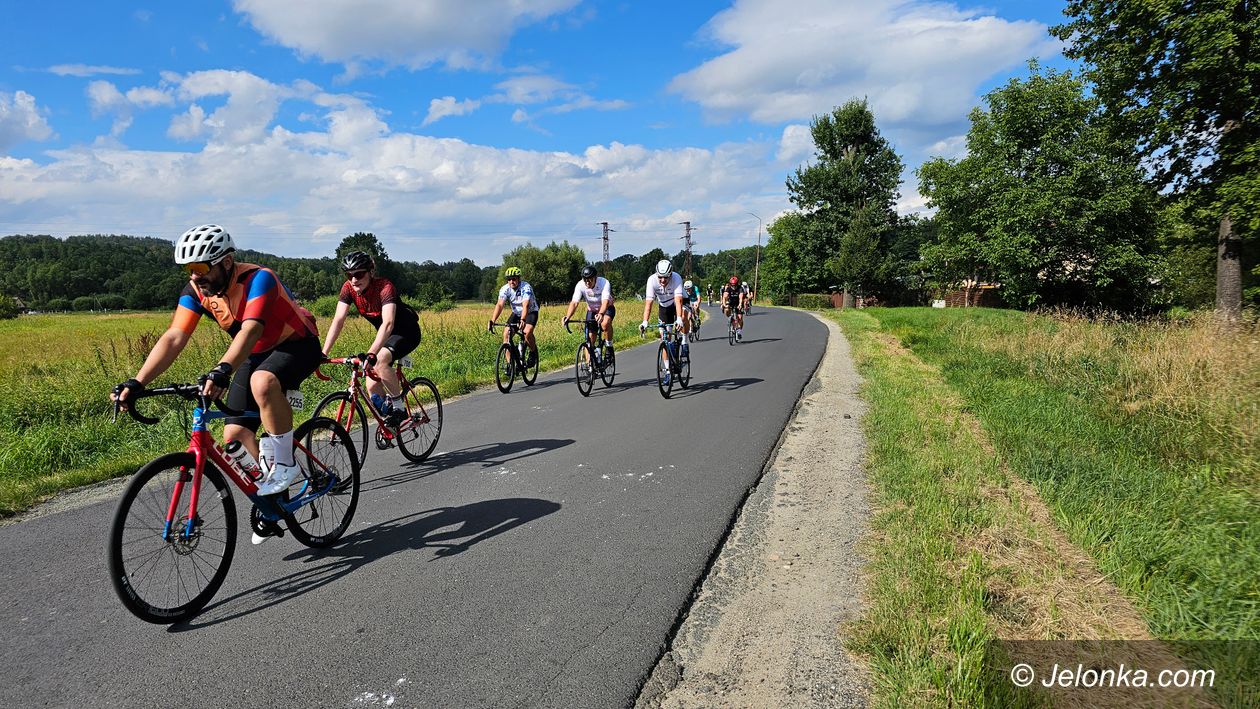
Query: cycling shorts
(402, 344)
(531, 318)
(292, 362)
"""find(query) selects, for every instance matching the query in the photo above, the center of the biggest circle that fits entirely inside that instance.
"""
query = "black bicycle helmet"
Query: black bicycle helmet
(356, 261)
(589, 272)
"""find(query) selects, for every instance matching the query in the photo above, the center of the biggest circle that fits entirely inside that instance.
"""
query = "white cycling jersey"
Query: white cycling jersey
(593, 296)
(664, 294)
(517, 296)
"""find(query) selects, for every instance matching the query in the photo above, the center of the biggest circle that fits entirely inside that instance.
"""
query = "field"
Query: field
(56, 372)
(1005, 444)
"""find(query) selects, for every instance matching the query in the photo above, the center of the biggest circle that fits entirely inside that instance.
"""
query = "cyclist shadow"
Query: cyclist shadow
(447, 530)
(760, 339)
(697, 387)
(487, 456)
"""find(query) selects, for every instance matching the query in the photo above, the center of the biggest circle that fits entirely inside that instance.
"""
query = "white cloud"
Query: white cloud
(20, 120)
(289, 190)
(85, 70)
(531, 88)
(951, 148)
(251, 104)
(410, 33)
(918, 63)
(105, 98)
(440, 108)
(796, 144)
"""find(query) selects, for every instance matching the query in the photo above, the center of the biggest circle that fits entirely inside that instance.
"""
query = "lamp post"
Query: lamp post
(757, 266)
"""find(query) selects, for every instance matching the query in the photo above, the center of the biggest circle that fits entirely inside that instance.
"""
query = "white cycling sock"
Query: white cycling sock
(284, 447)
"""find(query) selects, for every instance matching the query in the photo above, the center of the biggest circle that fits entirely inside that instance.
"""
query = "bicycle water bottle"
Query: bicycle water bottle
(240, 454)
(378, 401)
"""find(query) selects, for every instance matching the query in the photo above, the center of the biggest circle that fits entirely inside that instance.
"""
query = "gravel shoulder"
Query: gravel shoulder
(767, 625)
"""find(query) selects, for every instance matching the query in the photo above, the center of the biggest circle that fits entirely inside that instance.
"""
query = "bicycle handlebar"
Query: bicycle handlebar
(351, 362)
(188, 392)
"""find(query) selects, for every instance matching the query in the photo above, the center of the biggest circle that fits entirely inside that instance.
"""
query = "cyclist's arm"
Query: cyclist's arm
(251, 331)
(334, 328)
(572, 306)
(388, 311)
(649, 296)
(498, 309)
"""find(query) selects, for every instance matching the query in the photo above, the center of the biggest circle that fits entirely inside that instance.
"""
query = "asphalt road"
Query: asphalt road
(539, 558)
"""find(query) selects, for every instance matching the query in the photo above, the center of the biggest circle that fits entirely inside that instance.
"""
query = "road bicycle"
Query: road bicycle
(512, 355)
(672, 363)
(590, 359)
(696, 315)
(731, 330)
(171, 540)
(416, 436)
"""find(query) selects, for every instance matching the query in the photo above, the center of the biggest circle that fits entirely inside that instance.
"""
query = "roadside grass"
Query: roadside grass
(56, 372)
(1140, 440)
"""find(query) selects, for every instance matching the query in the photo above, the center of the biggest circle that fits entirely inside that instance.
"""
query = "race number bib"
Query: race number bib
(296, 399)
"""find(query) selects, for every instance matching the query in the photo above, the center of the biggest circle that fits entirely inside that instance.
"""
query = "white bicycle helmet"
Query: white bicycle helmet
(664, 268)
(687, 285)
(208, 242)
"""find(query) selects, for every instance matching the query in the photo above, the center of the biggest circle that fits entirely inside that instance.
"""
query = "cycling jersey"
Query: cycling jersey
(692, 296)
(516, 296)
(593, 296)
(252, 293)
(664, 294)
(379, 293)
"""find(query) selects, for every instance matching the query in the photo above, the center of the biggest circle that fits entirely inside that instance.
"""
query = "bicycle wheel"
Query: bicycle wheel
(164, 580)
(684, 370)
(418, 435)
(584, 369)
(730, 332)
(664, 377)
(528, 374)
(695, 325)
(505, 368)
(325, 456)
(610, 369)
(347, 411)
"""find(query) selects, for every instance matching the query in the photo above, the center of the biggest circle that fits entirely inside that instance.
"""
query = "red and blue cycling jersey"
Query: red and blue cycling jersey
(253, 293)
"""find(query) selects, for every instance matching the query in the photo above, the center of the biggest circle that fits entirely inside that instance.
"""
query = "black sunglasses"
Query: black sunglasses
(356, 274)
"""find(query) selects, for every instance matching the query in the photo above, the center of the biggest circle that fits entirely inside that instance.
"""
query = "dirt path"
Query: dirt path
(766, 628)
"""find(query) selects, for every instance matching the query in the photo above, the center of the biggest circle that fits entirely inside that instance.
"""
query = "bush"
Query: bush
(325, 306)
(442, 305)
(58, 304)
(781, 299)
(111, 301)
(813, 301)
(84, 302)
(8, 308)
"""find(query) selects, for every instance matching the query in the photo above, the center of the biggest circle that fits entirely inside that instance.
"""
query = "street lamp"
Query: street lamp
(757, 266)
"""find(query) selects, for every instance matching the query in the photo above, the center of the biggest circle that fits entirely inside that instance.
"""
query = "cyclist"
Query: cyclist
(595, 289)
(691, 299)
(275, 345)
(733, 300)
(710, 293)
(397, 330)
(666, 288)
(748, 298)
(524, 308)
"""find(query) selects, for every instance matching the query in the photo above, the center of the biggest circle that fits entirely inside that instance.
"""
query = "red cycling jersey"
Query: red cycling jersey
(379, 293)
(253, 293)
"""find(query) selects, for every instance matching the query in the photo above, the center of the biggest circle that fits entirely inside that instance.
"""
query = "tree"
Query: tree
(1048, 202)
(856, 173)
(362, 241)
(1182, 80)
(551, 270)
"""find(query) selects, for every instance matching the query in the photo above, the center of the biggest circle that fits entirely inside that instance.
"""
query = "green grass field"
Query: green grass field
(56, 372)
(1140, 438)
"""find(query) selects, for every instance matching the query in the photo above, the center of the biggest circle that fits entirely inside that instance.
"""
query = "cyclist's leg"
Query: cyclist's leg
(607, 325)
(241, 398)
(531, 320)
(395, 347)
(513, 319)
(284, 367)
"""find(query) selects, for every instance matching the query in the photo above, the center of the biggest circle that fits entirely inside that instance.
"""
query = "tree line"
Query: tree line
(1133, 185)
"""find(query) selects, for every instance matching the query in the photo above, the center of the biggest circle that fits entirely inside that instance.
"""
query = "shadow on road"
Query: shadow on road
(760, 339)
(723, 384)
(461, 528)
(487, 455)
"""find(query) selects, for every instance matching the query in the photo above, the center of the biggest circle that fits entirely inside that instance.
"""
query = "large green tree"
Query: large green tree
(1047, 202)
(846, 199)
(1182, 80)
(551, 270)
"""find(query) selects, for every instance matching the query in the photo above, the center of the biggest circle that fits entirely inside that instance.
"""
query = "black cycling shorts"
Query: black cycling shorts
(611, 312)
(292, 362)
(531, 318)
(402, 344)
(667, 313)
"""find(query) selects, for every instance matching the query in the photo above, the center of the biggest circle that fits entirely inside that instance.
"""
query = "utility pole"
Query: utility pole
(687, 236)
(606, 231)
(757, 266)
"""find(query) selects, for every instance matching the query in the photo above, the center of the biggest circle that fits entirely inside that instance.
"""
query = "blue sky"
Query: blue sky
(455, 129)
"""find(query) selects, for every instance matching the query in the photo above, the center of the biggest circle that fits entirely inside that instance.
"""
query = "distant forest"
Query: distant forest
(115, 272)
